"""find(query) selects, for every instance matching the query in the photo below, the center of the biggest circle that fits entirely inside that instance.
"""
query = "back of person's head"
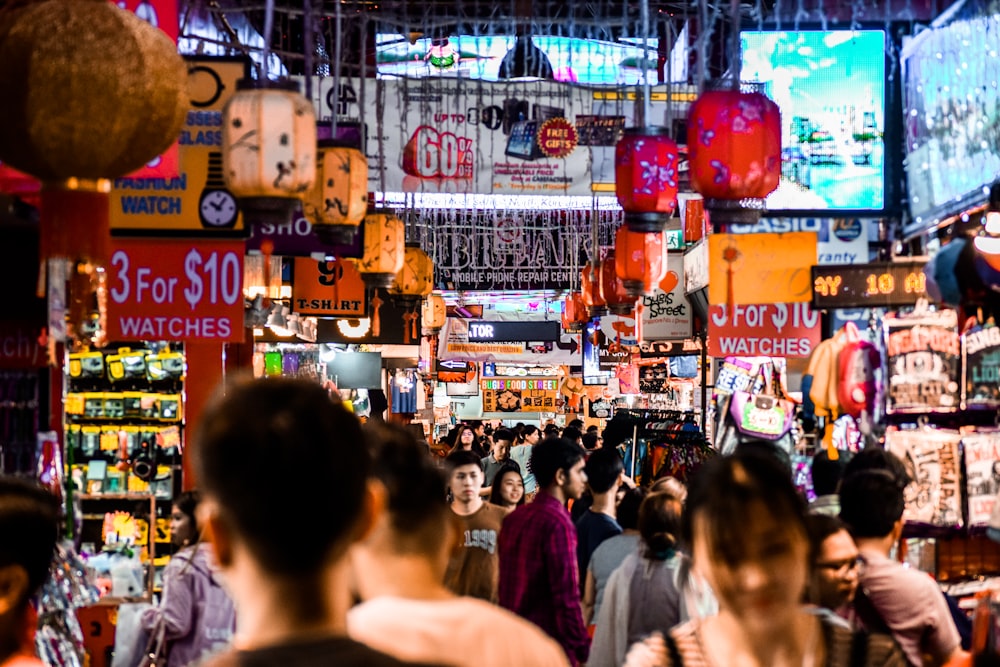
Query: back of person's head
(627, 513)
(592, 428)
(29, 524)
(590, 440)
(819, 527)
(766, 448)
(871, 502)
(416, 504)
(254, 441)
(462, 457)
(826, 473)
(572, 434)
(552, 455)
(503, 434)
(671, 484)
(603, 469)
(876, 458)
(727, 494)
(575, 423)
(551, 430)
(187, 502)
(659, 525)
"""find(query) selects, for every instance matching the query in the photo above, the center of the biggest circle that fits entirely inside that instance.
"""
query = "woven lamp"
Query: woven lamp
(90, 92)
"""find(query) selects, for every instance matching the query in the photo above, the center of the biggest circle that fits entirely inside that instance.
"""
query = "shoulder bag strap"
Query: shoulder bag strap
(673, 651)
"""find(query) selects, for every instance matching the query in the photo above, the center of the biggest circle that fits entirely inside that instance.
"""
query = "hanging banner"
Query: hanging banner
(923, 353)
(982, 475)
(195, 201)
(771, 330)
(519, 394)
(175, 290)
(760, 268)
(453, 343)
(460, 136)
(390, 323)
(666, 314)
(981, 370)
(298, 238)
(931, 457)
(328, 289)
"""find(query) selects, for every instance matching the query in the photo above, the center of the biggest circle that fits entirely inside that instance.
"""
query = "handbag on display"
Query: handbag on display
(754, 418)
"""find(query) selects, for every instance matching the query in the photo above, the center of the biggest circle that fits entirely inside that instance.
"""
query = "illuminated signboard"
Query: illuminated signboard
(481, 331)
(519, 394)
(865, 285)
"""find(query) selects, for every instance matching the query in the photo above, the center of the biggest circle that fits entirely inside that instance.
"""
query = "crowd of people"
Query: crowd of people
(520, 547)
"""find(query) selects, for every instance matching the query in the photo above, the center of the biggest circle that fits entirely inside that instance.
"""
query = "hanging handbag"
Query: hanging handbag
(754, 418)
(156, 651)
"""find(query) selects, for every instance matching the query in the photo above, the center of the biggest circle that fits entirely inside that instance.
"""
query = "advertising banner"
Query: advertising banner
(934, 497)
(298, 239)
(981, 370)
(176, 290)
(761, 268)
(839, 240)
(461, 136)
(519, 394)
(666, 314)
(982, 474)
(195, 201)
(328, 289)
(924, 354)
(770, 330)
(453, 343)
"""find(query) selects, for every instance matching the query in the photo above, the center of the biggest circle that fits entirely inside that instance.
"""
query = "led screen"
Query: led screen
(573, 60)
(830, 87)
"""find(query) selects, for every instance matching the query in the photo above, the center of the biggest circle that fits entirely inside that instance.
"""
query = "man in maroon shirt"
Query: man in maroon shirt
(538, 571)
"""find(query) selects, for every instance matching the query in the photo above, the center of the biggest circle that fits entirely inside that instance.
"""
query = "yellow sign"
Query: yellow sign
(760, 268)
(488, 348)
(196, 202)
(519, 394)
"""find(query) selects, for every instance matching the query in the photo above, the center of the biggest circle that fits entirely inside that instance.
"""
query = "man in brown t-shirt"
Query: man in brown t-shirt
(474, 567)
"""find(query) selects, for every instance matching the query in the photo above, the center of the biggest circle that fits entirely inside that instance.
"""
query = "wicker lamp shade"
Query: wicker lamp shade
(90, 90)
(338, 201)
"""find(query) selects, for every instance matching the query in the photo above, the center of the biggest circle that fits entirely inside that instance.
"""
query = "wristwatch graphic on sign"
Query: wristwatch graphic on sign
(217, 207)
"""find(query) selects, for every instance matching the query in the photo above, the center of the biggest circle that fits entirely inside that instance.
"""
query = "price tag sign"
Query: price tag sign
(165, 289)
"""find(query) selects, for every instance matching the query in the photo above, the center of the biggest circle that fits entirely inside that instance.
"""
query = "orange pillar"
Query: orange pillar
(204, 377)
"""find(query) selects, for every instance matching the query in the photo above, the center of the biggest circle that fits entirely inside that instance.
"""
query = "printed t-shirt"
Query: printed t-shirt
(474, 567)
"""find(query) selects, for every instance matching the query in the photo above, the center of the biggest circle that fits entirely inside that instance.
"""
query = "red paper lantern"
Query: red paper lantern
(618, 299)
(574, 315)
(734, 151)
(640, 260)
(646, 177)
(590, 285)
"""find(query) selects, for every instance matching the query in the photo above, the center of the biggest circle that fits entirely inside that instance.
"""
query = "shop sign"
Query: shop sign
(19, 345)
(666, 314)
(839, 240)
(453, 343)
(482, 331)
(770, 330)
(934, 497)
(195, 201)
(981, 369)
(327, 288)
(760, 268)
(170, 289)
(666, 348)
(923, 354)
(877, 284)
(982, 453)
(397, 324)
(297, 238)
(696, 267)
(160, 14)
(506, 370)
(519, 394)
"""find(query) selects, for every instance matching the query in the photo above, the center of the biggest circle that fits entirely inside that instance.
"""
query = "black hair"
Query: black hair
(552, 455)
(575, 423)
(550, 430)
(603, 468)
(590, 440)
(29, 523)
(871, 501)
(826, 474)
(263, 433)
(503, 434)
(818, 528)
(592, 428)
(728, 491)
(659, 525)
(187, 502)
(456, 441)
(876, 458)
(572, 434)
(415, 486)
(495, 497)
(462, 457)
(628, 508)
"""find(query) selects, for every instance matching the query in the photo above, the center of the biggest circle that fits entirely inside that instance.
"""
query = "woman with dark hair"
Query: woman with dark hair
(195, 618)
(643, 594)
(508, 488)
(465, 438)
(746, 525)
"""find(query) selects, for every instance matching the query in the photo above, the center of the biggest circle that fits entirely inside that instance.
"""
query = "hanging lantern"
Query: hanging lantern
(574, 315)
(416, 279)
(433, 313)
(590, 286)
(269, 148)
(338, 201)
(384, 249)
(646, 177)
(90, 92)
(613, 291)
(734, 152)
(640, 260)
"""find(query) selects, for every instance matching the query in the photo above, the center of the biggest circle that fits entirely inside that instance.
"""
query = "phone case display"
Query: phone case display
(924, 352)
(982, 474)
(931, 456)
(981, 370)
